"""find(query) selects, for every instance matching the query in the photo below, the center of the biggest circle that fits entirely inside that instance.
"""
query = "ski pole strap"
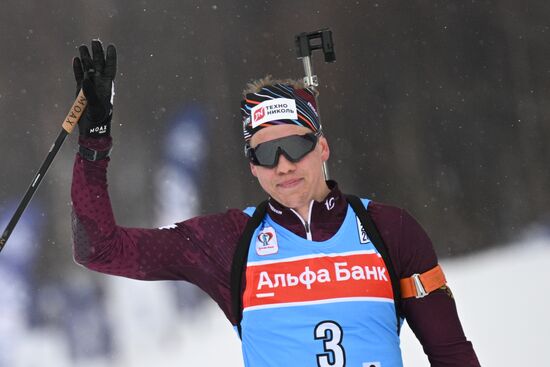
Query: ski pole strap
(239, 259)
(420, 285)
(372, 232)
(93, 155)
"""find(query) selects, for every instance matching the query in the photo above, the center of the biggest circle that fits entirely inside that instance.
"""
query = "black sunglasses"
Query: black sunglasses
(293, 147)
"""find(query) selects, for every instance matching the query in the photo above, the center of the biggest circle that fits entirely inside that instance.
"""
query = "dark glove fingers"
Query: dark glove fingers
(90, 92)
(110, 63)
(85, 58)
(96, 110)
(78, 73)
(98, 56)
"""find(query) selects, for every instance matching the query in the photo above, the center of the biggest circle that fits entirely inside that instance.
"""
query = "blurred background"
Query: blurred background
(439, 107)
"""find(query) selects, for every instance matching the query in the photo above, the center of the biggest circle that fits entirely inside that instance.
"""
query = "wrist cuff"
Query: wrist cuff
(93, 155)
(103, 143)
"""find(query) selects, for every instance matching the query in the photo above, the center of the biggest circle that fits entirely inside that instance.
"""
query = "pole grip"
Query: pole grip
(75, 112)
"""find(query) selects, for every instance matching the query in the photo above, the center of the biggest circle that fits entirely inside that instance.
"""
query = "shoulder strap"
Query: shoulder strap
(239, 259)
(376, 239)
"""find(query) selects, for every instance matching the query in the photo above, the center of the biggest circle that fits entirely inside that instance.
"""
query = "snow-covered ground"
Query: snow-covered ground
(504, 305)
(502, 297)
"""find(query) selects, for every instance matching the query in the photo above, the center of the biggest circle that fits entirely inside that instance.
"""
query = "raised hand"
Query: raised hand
(95, 75)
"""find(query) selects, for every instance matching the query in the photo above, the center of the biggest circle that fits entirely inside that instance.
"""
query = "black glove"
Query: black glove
(95, 76)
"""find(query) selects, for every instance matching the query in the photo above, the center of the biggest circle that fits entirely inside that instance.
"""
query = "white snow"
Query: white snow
(503, 302)
(502, 298)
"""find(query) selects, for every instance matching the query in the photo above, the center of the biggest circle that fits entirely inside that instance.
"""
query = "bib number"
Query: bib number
(331, 334)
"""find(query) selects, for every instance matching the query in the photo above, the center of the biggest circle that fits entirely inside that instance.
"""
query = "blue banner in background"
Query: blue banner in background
(16, 274)
(177, 180)
(177, 184)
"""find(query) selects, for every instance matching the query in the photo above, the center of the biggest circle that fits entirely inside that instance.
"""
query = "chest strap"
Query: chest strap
(239, 259)
(374, 235)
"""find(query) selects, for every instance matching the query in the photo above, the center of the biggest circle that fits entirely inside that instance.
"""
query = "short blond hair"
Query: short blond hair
(254, 86)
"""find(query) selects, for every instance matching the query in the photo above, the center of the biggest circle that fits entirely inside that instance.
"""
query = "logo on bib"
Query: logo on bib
(363, 238)
(266, 242)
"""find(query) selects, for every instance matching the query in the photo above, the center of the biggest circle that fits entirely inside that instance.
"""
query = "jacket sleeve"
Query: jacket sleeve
(198, 250)
(434, 318)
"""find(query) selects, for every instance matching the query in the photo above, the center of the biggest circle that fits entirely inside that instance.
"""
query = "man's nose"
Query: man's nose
(284, 165)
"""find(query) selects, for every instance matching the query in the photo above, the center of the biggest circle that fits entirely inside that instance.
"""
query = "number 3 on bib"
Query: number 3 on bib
(331, 334)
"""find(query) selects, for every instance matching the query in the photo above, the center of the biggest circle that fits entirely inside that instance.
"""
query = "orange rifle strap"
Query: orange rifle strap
(420, 285)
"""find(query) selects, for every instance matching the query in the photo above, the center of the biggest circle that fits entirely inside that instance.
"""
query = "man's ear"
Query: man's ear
(325, 149)
(253, 170)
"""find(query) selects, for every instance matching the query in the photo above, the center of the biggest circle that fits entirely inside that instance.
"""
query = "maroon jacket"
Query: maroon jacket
(200, 250)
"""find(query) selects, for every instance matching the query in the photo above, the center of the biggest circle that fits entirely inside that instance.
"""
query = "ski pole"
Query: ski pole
(67, 127)
(306, 42)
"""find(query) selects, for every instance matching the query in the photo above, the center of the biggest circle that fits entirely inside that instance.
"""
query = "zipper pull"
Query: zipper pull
(308, 231)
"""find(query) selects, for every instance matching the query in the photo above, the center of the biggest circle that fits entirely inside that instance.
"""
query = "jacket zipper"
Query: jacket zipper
(306, 223)
(308, 231)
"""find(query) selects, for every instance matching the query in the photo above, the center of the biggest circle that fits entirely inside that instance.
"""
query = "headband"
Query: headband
(279, 104)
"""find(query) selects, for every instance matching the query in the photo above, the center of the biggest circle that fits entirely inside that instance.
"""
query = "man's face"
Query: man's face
(292, 184)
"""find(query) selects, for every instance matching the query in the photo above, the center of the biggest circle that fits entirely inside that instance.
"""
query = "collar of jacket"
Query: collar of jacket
(325, 217)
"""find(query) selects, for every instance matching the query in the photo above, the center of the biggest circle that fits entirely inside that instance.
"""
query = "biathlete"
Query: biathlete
(311, 277)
